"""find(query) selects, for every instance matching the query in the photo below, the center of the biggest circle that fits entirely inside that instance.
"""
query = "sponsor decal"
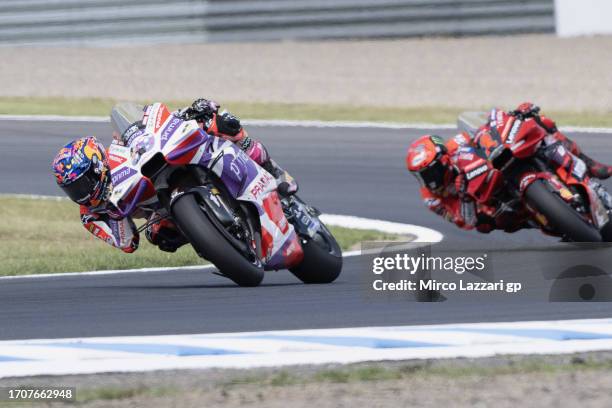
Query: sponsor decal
(169, 130)
(476, 172)
(437, 139)
(566, 194)
(161, 117)
(121, 175)
(460, 139)
(260, 184)
(492, 121)
(499, 116)
(131, 133)
(238, 162)
(116, 160)
(158, 119)
(141, 145)
(466, 153)
(525, 181)
(579, 169)
(432, 202)
(515, 128)
(420, 155)
(176, 193)
(145, 118)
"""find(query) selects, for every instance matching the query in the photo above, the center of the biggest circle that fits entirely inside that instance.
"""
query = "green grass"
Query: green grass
(119, 393)
(363, 373)
(46, 236)
(431, 114)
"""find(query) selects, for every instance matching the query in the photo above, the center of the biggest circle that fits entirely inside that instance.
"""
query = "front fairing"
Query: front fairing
(130, 189)
(160, 133)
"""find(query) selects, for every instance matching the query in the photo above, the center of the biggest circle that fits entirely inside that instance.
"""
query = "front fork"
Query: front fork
(303, 217)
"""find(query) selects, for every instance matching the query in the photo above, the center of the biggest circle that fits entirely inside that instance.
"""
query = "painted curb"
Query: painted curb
(299, 347)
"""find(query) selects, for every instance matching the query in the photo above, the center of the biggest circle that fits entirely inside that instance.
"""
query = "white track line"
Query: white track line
(295, 123)
(421, 234)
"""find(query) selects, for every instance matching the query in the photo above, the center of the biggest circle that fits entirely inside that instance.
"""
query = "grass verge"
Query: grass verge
(256, 110)
(266, 380)
(46, 236)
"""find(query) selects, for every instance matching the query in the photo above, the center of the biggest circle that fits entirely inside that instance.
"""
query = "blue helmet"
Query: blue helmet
(81, 170)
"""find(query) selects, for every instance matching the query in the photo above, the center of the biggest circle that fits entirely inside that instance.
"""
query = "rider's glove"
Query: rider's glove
(165, 235)
(203, 110)
(228, 124)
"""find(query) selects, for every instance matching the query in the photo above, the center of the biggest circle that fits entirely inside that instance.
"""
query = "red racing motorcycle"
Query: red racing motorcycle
(513, 176)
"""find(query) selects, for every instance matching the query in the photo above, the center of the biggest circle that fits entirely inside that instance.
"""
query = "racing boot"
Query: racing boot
(286, 183)
(596, 169)
(165, 235)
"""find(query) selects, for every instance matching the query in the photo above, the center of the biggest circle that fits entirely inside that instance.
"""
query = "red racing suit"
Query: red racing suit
(497, 121)
(464, 212)
(451, 204)
(105, 223)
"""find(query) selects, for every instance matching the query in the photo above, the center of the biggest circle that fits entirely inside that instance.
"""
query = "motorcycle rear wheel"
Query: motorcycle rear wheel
(561, 216)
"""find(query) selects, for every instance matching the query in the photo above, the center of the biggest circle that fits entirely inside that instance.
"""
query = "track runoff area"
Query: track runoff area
(307, 346)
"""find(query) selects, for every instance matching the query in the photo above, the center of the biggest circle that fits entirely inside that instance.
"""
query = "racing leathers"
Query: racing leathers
(451, 203)
(455, 207)
(498, 119)
(227, 126)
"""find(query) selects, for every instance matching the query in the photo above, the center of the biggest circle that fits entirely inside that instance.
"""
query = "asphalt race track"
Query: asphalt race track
(342, 171)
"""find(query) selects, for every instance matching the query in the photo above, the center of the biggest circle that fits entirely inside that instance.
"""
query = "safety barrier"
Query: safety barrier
(110, 22)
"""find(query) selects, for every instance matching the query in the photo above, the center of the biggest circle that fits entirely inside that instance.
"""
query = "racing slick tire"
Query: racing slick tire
(322, 262)
(210, 244)
(559, 214)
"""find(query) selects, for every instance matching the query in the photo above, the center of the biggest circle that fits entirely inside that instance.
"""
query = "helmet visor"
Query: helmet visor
(432, 176)
(82, 189)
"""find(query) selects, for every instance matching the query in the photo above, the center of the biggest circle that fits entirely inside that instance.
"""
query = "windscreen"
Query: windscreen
(124, 114)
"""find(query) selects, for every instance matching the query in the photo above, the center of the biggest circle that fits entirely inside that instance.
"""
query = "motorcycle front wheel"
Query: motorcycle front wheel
(210, 244)
(322, 261)
(560, 215)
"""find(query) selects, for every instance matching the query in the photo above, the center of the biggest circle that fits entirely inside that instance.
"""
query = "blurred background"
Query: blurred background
(128, 21)
(427, 58)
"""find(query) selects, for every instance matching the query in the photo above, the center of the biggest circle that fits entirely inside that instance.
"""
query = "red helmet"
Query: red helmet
(429, 161)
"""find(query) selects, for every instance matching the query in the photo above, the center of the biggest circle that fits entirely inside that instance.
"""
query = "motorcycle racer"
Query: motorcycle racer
(82, 171)
(435, 164)
(227, 126)
(496, 124)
